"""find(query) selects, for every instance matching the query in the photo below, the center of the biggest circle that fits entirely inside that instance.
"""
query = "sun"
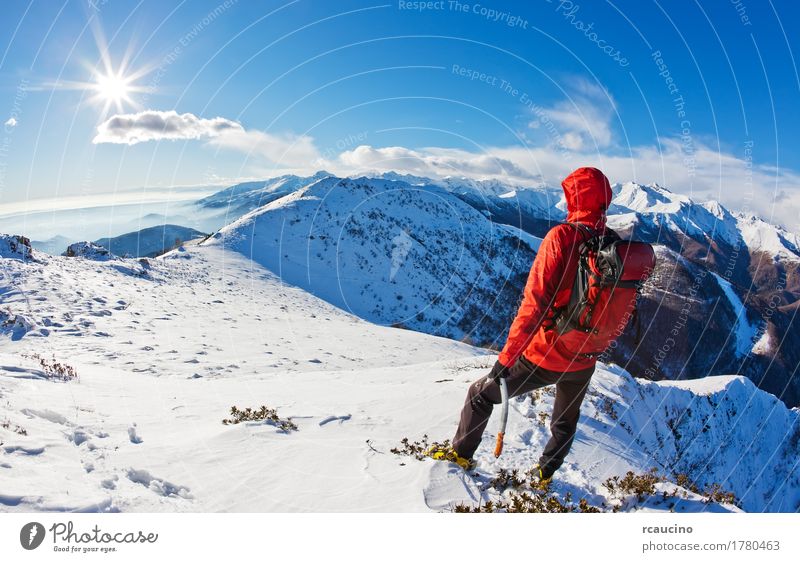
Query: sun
(111, 85)
(113, 89)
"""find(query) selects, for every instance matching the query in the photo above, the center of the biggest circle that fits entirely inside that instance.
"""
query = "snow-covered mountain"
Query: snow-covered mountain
(149, 242)
(392, 253)
(722, 301)
(231, 203)
(761, 258)
(652, 207)
(164, 347)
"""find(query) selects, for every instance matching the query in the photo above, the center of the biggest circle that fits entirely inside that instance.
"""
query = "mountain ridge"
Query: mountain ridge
(755, 295)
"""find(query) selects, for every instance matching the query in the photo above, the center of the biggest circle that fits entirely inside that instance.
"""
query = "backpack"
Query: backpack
(611, 272)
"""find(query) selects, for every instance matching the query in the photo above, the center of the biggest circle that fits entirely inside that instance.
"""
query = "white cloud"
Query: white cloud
(435, 162)
(11, 123)
(151, 125)
(284, 149)
(582, 121)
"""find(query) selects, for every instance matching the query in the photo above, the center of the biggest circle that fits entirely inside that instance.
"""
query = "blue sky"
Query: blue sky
(700, 97)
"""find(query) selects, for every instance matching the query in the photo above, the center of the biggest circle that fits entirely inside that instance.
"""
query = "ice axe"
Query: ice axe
(498, 448)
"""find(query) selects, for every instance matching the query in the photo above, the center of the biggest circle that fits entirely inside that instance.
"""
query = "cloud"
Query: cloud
(285, 149)
(435, 162)
(150, 125)
(11, 123)
(582, 120)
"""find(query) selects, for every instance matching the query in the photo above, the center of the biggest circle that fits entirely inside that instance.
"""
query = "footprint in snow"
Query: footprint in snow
(110, 483)
(133, 436)
(78, 437)
(527, 437)
(331, 419)
(158, 485)
(31, 451)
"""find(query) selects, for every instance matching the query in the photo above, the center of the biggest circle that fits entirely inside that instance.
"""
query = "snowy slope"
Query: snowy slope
(163, 348)
(742, 331)
(392, 253)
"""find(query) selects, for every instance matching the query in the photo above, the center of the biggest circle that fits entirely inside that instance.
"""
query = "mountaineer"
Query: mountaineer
(580, 294)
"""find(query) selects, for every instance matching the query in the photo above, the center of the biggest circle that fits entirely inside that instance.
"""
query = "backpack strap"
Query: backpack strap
(555, 311)
(582, 228)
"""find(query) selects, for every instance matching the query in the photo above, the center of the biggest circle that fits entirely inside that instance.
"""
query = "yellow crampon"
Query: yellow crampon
(543, 482)
(448, 453)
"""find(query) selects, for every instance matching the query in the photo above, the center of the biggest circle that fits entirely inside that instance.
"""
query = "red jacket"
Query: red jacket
(588, 195)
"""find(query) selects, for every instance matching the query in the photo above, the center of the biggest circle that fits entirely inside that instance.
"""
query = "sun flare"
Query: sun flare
(113, 89)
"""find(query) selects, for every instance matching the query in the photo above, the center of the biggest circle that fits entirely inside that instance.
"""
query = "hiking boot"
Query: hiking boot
(448, 453)
(542, 476)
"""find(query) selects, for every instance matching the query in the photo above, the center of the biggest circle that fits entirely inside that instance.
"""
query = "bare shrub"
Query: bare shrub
(269, 415)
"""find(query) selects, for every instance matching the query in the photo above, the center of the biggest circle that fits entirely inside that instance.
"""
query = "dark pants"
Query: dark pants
(525, 377)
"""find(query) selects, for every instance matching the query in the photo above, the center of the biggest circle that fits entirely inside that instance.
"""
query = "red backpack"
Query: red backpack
(611, 272)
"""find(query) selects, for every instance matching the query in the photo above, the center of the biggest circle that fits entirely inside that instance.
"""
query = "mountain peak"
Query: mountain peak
(715, 208)
(658, 187)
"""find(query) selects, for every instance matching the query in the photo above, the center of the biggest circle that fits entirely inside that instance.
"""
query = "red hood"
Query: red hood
(588, 195)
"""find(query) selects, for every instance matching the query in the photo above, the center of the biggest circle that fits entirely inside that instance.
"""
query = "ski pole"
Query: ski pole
(498, 448)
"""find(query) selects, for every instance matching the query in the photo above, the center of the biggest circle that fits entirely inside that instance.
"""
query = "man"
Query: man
(533, 356)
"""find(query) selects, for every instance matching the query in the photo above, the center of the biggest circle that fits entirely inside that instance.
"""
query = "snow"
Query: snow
(654, 206)
(385, 250)
(16, 247)
(759, 235)
(658, 208)
(163, 351)
(162, 359)
(631, 196)
(763, 345)
(745, 332)
(89, 250)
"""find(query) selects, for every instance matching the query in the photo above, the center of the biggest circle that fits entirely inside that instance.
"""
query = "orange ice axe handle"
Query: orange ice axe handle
(498, 448)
